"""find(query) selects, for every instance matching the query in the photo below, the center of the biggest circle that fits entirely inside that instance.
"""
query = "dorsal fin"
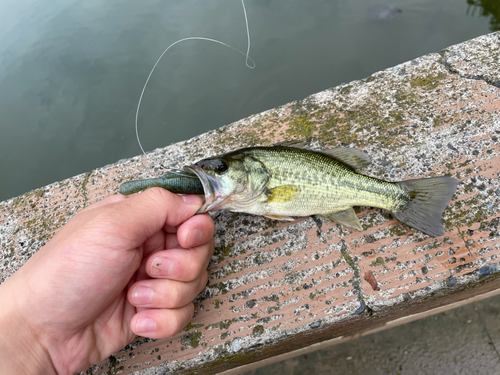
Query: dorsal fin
(355, 158)
(351, 156)
(297, 143)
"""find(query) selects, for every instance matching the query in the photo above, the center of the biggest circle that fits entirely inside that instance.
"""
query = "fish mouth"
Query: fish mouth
(212, 187)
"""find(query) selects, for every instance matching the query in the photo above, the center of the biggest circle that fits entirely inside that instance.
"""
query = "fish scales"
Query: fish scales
(322, 178)
(283, 182)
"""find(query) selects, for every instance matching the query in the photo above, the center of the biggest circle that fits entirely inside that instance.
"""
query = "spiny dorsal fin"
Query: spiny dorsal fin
(347, 217)
(355, 158)
(297, 143)
(350, 156)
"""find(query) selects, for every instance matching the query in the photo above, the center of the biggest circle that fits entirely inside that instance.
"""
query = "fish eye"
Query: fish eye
(220, 166)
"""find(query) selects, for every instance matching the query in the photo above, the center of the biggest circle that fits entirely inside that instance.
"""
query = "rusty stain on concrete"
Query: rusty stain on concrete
(370, 278)
(277, 286)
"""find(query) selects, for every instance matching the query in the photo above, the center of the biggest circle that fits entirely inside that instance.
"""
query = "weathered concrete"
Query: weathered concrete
(276, 287)
(430, 345)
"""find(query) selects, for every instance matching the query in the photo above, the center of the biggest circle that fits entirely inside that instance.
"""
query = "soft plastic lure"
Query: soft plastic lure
(178, 182)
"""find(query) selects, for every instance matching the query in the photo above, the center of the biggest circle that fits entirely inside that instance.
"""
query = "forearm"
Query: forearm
(20, 350)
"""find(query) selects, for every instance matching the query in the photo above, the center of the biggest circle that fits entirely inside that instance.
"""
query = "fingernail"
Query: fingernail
(143, 326)
(160, 267)
(142, 295)
(194, 237)
(192, 200)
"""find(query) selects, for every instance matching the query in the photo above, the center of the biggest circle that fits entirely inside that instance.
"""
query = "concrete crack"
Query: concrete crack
(462, 236)
(452, 70)
(320, 233)
(356, 283)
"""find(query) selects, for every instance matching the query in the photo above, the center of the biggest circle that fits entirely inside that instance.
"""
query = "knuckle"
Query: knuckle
(211, 226)
(175, 297)
(194, 270)
(211, 248)
(203, 281)
(177, 324)
(198, 269)
(179, 320)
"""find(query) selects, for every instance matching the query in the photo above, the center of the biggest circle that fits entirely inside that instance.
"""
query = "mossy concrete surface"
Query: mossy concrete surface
(278, 286)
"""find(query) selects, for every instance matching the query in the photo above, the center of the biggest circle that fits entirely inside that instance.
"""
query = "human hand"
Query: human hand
(122, 267)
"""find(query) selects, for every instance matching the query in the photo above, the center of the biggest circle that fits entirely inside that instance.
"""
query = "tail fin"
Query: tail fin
(429, 198)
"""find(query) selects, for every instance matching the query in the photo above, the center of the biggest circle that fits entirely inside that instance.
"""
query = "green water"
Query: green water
(71, 72)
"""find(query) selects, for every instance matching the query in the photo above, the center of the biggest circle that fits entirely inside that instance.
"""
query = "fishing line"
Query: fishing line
(247, 60)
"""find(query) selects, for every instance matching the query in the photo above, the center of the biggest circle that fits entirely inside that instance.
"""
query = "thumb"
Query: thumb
(142, 215)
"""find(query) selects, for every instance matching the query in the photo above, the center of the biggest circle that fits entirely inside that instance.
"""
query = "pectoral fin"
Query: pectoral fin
(347, 217)
(282, 194)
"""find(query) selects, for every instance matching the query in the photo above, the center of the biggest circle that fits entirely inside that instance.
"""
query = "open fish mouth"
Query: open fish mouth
(214, 196)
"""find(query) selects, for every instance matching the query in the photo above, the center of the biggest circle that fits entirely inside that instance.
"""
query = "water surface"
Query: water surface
(71, 71)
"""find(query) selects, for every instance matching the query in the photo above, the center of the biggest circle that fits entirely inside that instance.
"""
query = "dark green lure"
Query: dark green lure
(175, 182)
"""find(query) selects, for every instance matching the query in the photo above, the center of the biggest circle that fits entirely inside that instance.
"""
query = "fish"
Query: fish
(179, 182)
(291, 179)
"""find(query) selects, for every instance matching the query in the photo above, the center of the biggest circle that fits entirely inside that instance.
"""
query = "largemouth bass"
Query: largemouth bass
(282, 182)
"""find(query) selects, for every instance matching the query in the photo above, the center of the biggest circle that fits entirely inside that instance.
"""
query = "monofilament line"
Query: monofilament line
(247, 60)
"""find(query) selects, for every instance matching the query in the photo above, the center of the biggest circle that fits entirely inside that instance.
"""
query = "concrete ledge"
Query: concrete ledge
(277, 287)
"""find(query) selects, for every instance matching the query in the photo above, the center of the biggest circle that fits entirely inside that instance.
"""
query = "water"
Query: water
(71, 71)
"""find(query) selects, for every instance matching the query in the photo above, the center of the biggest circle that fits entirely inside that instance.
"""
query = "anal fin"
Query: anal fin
(347, 217)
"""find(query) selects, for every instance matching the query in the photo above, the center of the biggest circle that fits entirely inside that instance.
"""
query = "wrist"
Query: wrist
(20, 349)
